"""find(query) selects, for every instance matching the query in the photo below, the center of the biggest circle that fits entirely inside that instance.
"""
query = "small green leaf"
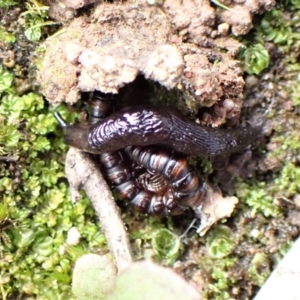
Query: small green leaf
(44, 246)
(32, 102)
(41, 144)
(54, 198)
(42, 124)
(33, 186)
(166, 245)
(33, 34)
(6, 37)
(219, 244)
(6, 80)
(9, 137)
(256, 58)
(3, 211)
(23, 237)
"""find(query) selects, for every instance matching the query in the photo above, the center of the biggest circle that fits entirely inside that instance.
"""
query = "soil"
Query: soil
(169, 44)
(189, 51)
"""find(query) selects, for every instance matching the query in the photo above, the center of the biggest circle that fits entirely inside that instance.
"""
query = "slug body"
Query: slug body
(143, 126)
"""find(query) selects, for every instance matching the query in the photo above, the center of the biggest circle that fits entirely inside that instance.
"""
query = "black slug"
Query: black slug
(143, 126)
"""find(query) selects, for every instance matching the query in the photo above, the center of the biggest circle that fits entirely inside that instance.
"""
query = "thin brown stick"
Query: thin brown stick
(83, 173)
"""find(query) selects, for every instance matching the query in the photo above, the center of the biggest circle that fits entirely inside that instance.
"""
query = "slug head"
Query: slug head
(75, 135)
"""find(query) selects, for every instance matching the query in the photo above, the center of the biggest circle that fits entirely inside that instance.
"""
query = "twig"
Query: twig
(82, 172)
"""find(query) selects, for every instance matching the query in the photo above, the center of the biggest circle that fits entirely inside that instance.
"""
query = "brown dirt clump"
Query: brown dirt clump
(108, 50)
(240, 13)
(178, 45)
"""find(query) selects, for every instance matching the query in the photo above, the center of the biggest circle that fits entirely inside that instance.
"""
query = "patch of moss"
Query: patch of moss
(255, 58)
(35, 199)
(256, 195)
(6, 37)
(7, 3)
(219, 243)
(219, 270)
(35, 19)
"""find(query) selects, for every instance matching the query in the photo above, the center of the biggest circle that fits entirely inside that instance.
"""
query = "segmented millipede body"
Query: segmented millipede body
(177, 185)
(152, 183)
(119, 172)
(120, 175)
(186, 187)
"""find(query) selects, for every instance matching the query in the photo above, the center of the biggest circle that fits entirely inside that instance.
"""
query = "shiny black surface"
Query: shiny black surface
(143, 126)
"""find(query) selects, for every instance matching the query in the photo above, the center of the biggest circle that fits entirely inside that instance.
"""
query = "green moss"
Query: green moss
(275, 28)
(6, 37)
(219, 243)
(219, 270)
(259, 269)
(288, 181)
(36, 202)
(154, 239)
(296, 92)
(6, 80)
(256, 58)
(279, 26)
(166, 246)
(7, 3)
(256, 195)
(35, 19)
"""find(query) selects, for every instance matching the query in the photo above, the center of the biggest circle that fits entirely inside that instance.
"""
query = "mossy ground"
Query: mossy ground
(232, 261)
